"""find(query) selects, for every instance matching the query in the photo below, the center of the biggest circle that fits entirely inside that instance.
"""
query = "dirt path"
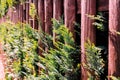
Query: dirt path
(2, 74)
(2, 63)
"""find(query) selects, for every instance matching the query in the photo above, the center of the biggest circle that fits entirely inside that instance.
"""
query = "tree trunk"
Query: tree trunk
(88, 7)
(114, 38)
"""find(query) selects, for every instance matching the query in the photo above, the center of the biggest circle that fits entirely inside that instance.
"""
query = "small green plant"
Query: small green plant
(59, 61)
(114, 78)
(99, 21)
(6, 4)
(20, 43)
(95, 63)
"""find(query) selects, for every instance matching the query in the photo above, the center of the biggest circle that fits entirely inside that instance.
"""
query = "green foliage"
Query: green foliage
(6, 4)
(58, 62)
(60, 59)
(99, 19)
(20, 44)
(95, 63)
(114, 78)
(32, 11)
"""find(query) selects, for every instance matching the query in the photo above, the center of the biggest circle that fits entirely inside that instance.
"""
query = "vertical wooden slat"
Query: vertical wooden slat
(21, 13)
(24, 13)
(15, 14)
(27, 11)
(57, 9)
(41, 25)
(31, 21)
(78, 6)
(102, 5)
(87, 30)
(114, 38)
(69, 14)
(41, 13)
(35, 23)
(48, 15)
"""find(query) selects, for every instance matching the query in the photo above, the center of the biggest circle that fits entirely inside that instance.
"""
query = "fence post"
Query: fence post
(41, 14)
(27, 11)
(20, 13)
(35, 21)
(114, 38)
(48, 15)
(41, 25)
(78, 6)
(57, 9)
(88, 7)
(70, 14)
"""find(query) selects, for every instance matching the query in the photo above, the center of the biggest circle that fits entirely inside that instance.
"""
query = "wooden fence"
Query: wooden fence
(73, 11)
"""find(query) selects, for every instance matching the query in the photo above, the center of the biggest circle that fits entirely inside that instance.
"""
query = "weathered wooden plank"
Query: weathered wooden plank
(41, 14)
(57, 9)
(114, 38)
(48, 15)
(70, 14)
(15, 14)
(20, 13)
(31, 20)
(27, 11)
(78, 6)
(35, 23)
(87, 30)
(102, 5)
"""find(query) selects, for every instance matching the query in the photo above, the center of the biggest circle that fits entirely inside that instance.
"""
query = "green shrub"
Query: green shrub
(59, 61)
(95, 63)
(20, 43)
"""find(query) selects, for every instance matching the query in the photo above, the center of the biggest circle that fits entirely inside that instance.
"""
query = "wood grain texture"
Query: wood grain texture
(48, 5)
(57, 9)
(102, 5)
(70, 14)
(41, 13)
(88, 7)
(114, 39)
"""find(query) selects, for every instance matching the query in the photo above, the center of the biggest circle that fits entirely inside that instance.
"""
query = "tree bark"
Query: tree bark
(114, 38)
(88, 7)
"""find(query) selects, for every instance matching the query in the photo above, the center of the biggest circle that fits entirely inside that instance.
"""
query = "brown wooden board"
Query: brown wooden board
(114, 38)
(70, 14)
(88, 7)
(57, 9)
(102, 5)
(48, 6)
(41, 14)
